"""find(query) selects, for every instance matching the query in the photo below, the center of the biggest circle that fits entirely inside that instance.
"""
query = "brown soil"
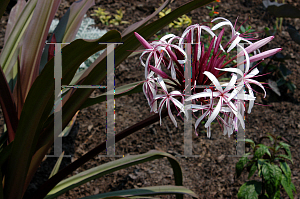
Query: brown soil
(212, 175)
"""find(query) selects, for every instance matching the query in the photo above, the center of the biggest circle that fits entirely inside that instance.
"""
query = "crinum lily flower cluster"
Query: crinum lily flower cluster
(222, 101)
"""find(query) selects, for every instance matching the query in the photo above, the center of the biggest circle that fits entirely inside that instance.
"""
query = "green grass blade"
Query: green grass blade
(110, 167)
(146, 191)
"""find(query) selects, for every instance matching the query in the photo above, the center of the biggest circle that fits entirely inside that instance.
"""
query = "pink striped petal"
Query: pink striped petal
(257, 45)
(143, 41)
(265, 54)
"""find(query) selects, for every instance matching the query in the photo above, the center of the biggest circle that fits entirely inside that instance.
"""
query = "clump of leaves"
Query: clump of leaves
(212, 12)
(105, 17)
(181, 22)
(118, 18)
(102, 15)
(270, 162)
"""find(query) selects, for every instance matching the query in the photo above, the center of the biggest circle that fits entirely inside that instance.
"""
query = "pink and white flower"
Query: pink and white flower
(206, 64)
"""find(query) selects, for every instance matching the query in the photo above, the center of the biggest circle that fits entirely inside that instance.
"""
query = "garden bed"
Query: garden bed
(212, 175)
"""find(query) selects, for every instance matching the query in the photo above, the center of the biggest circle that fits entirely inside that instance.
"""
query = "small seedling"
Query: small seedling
(265, 160)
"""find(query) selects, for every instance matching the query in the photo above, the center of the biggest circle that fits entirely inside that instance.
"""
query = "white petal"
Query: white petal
(173, 72)
(170, 113)
(244, 97)
(214, 114)
(162, 84)
(200, 119)
(207, 29)
(199, 95)
(223, 23)
(208, 132)
(234, 43)
(164, 38)
(233, 70)
(154, 107)
(254, 72)
(231, 83)
(258, 84)
(236, 90)
(178, 104)
(247, 59)
(238, 115)
(160, 108)
(159, 96)
(214, 80)
(251, 103)
(195, 107)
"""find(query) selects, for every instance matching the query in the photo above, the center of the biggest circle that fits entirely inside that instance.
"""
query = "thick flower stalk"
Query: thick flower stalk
(165, 63)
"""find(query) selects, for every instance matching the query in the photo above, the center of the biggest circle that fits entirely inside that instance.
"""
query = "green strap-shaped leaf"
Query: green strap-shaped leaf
(110, 167)
(241, 163)
(77, 11)
(249, 190)
(68, 25)
(146, 191)
(14, 17)
(127, 89)
(57, 165)
(9, 53)
(37, 101)
(38, 29)
(70, 63)
(8, 107)
(83, 50)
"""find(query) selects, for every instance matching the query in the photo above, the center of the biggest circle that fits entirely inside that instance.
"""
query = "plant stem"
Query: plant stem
(50, 184)
(263, 185)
